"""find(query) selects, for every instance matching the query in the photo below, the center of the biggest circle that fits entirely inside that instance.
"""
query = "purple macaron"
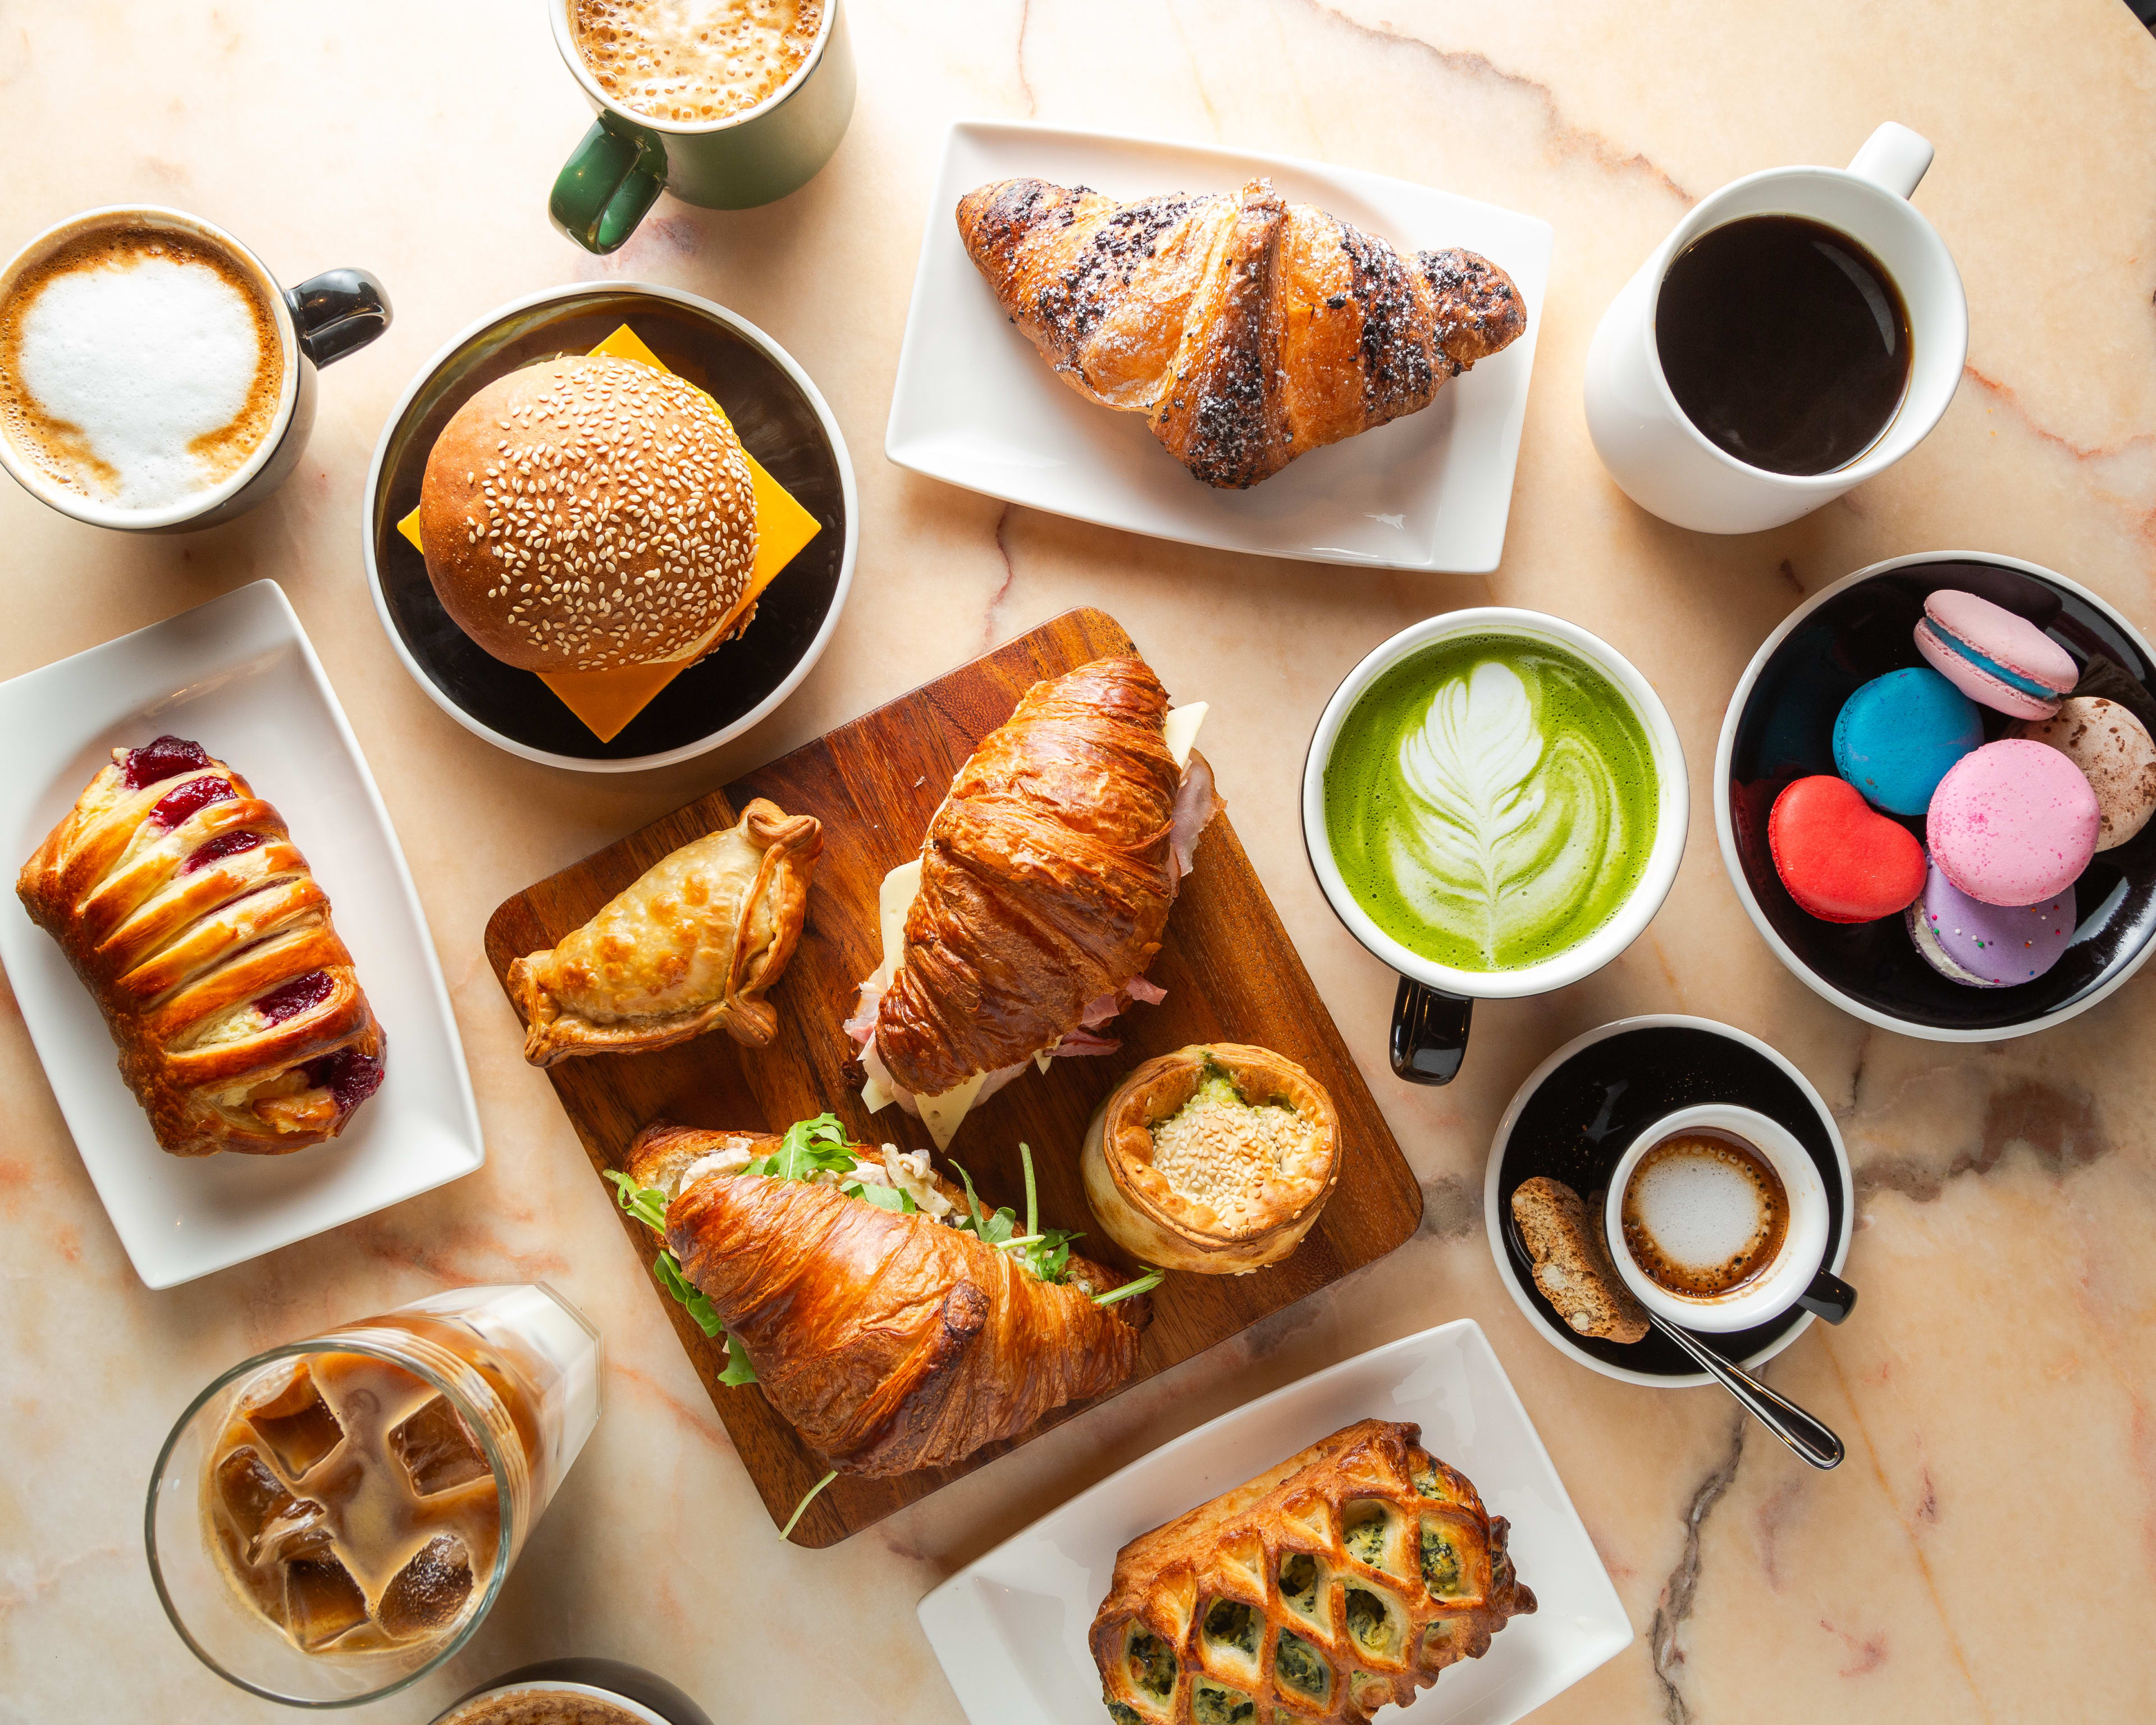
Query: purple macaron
(2014, 822)
(1983, 945)
(1994, 657)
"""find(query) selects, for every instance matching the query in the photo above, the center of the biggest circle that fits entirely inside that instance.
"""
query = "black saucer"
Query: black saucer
(1582, 1108)
(1784, 730)
(778, 423)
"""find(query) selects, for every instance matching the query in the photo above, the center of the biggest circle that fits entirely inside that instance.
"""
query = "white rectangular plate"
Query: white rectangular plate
(976, 405)
(1011, 1628)
(239, 676)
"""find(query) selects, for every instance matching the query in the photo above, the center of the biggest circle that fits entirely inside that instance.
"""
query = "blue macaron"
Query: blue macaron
(1897, 738)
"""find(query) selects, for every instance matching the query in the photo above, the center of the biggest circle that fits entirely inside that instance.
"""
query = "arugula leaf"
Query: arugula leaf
(693, 1299)
(1044, 1253)
(810, 1147)
(648, 1204)
(1145, 1284)
(738, 1369)
(884, 1198)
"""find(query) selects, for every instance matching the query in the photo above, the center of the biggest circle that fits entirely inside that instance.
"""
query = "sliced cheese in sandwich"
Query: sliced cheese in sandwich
(943, 1114)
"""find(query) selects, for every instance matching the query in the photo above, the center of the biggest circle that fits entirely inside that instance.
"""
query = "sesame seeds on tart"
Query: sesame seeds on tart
(589, 514)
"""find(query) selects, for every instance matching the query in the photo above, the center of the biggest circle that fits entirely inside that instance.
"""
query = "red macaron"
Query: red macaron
(1842, 861)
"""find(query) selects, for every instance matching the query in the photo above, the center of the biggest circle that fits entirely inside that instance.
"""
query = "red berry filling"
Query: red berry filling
(176, 806)
(223, 845)
(167, 757)
(348, 1076)
(300, 994)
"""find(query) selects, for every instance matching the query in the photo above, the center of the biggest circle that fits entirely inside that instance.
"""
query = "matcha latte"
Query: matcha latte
(1491, 801)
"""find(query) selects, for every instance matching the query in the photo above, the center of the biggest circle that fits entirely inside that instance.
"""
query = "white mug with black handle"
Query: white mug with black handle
(1668, 466)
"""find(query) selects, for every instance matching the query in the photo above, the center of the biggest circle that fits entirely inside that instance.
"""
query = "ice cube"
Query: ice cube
(425, 1596)
(295, 1423)
(253, 1495)
(321, 1600)
(437, 1449)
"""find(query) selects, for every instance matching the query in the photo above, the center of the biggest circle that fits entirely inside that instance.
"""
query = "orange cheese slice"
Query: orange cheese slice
(606, 701)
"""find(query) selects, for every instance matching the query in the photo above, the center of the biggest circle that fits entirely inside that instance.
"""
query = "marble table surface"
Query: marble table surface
(1989, 1550)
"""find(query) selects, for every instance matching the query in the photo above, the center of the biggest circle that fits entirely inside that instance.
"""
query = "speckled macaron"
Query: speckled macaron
(1841, 860)
(2116, 755)
(1895, 737)
(1983, 945)
(1993, 656)
(2013, 824)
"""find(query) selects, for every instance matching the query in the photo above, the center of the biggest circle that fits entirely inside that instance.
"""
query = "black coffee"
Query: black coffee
(1785, 341)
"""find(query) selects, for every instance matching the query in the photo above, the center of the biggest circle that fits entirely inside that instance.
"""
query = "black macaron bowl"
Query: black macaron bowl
(1779, 727)
(782, 420)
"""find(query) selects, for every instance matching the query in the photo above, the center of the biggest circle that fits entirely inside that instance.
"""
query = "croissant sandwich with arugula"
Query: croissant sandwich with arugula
(890, 1319)
(1039, 895)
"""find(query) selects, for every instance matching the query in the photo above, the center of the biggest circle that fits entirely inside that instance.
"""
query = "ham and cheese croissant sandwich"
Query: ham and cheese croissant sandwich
(1039, 895)
(871, 1299)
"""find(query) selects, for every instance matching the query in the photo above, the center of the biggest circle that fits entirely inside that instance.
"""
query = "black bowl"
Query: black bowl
(782, 421)
(1779, 726)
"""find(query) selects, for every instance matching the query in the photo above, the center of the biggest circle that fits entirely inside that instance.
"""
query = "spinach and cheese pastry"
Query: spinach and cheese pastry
(1346, 1577)
(1216, 1158)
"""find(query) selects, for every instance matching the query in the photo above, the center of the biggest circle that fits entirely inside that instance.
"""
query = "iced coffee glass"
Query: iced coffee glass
(331, 1519)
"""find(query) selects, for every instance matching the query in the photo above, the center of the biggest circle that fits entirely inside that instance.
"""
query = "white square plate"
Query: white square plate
(976, 405)
(239, 676)
(1011, 1628)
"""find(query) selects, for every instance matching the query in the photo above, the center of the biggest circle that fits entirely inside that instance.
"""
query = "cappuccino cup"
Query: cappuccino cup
(153, 376)
(1495, 805)
(1664, 462)
(727, 103)
(1717, 1220)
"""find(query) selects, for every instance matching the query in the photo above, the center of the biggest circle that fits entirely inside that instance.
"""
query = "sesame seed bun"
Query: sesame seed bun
(587, 514)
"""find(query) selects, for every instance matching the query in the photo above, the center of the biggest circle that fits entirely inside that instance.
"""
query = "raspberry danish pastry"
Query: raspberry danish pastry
(179, 897)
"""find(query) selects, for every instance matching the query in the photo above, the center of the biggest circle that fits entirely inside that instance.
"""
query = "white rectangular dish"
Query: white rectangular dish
(975, 405)
(1011, 1628)
(238, 675)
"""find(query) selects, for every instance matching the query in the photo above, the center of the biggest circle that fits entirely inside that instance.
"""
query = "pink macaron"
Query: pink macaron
(2014, 822)
(1992, 656)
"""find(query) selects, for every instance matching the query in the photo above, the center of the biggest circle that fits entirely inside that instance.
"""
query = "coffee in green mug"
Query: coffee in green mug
(1491, 801)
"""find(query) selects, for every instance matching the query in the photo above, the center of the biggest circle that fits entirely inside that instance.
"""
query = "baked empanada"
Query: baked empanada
(1346, 1577)
(691, 947)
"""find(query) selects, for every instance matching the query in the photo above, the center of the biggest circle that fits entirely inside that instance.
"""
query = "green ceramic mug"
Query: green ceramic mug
(756, 156)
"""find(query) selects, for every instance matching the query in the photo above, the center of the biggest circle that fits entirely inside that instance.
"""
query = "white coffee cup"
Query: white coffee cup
(1433, 1005)
(1665, 463)
(1769, 1292)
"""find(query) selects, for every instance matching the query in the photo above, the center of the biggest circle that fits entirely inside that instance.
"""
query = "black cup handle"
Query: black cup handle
(1429, 1033)
(337, 312)
(1828, 1297)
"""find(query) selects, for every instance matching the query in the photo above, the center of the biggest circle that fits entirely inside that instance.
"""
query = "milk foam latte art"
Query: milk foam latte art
(1492, 801)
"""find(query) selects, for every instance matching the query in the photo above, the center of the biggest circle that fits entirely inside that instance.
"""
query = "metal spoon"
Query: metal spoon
(1810, 1438)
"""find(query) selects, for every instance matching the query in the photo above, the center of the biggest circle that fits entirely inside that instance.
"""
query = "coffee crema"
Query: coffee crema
(1704, 1214)
(541, 1706)
(693, 60)
(139, 365)
(1492, 801)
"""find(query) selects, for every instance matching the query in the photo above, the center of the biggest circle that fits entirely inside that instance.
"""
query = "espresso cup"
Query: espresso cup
(758, 155)
(1433, 1005)
(1797, 1274)
(322, 319)
(1665, 464)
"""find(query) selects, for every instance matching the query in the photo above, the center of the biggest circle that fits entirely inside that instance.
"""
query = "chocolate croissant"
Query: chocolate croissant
(690, 946)
(888, 1341)
(1248, 330)
(180, 901)
(1045, 879)
(1346, 1577)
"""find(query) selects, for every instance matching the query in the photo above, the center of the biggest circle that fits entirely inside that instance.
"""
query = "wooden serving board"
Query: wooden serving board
(1229, 968)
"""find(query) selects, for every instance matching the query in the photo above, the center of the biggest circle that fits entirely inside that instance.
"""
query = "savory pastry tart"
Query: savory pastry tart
(1039, 895)
(1346, 1577)
(871, 1299)
(1248, 330)
(180, 901)
(691, 947)
(1215, 1159)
